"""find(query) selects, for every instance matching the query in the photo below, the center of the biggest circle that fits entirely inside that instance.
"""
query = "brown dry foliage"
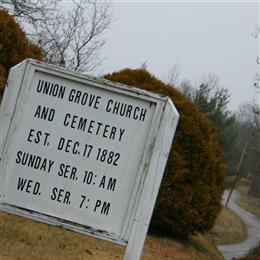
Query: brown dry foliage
(190, 194)
(14, 46)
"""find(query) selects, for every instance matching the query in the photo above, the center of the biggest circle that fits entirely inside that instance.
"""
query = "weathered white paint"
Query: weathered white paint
(115, 165)
(158, 158)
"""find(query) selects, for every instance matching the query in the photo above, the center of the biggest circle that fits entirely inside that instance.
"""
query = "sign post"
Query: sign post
(82, 153)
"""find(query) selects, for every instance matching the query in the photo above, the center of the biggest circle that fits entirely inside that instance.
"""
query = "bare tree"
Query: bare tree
(31, 11)
(249, 131)
(69, 37)
(256, 34)
(187, 89)
(249, 119)
(255, 184)
(172, 76)
(210, 79)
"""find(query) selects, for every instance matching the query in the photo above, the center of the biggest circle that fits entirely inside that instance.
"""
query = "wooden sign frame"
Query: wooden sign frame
(150, 169)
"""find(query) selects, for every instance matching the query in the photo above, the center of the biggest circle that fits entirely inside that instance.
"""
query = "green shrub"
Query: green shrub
(190, 194)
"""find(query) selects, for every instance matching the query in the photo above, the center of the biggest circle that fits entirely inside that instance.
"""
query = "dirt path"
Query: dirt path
(253, 226)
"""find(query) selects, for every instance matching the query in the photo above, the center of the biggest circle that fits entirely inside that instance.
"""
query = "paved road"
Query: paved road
(253, 226)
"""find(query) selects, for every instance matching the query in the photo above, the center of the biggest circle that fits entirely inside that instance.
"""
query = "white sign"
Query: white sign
(83, 153)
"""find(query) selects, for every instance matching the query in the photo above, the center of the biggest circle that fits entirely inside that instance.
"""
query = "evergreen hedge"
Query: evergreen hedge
(190, 194)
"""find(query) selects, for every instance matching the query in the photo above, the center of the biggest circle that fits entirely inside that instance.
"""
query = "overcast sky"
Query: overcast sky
(201, 37)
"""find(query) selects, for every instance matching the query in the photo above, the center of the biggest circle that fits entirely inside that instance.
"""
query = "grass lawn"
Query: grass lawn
(228, 229)
(250, 204)
(21, 238)
(247, 202)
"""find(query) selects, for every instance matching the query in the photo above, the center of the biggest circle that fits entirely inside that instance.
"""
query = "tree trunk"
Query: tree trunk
(254, 189)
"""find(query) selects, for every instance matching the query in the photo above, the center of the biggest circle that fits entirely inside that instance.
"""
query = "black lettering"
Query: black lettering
(111, 184)
(129, 111)
(83, 198)
(121, 132)
(30, 135)
(103, 182)
(39, 86)
(24, 158)
(73, 173)
(105, 208)
(31, 161)
(113, 133)
(46, 88)
(108, 109)
(61, 92)
(88, 177)
(74, 150)
(84, 98)
(28, 186)
(135, 115)
(78, 94)
(87, 150)
(105, 131)
(43, 165)
(65, 122)
(37, 162)
(90, 126)
(50, 165)
(38, 112)
(66, 197)
(122, 109)
(116, 108)
(18, 158)
(99, 125)
(68, 146)
(143, 114)
(98, 204)
(46, 138)
(21, 184)
(61, 143)
(54, 191)
(74, 121)
(91, 99)
(126, 110)
(34, 161)
(82, 124)
(97, 102)
(36, 188)
(71, 95)
(54, 91)
(38, 135)
(62, 166)
(117, 156)
(60, 195)
(45, 113)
